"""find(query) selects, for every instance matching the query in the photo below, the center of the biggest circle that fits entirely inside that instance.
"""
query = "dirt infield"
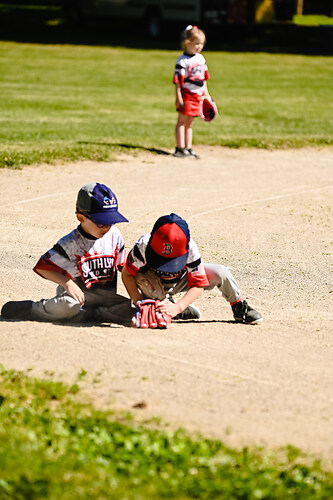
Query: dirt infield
(266, 214)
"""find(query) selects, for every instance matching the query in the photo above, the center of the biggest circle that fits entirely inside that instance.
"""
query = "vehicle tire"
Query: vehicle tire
(153, 23)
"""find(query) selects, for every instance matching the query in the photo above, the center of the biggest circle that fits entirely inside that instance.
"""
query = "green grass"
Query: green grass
(313, 20)
(64, 102)
(53, 446)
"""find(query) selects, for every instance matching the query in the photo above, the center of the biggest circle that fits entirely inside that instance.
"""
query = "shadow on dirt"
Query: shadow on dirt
(90, 324)
(206, 321)
(128, 147)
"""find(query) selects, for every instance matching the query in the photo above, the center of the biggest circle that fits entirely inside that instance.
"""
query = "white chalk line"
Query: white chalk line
(199, 214)
(207, 367)
(196, 365)
(29, 200)
(259, 200)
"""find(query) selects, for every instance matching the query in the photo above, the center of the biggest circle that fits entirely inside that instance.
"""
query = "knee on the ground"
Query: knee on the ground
(63, 308)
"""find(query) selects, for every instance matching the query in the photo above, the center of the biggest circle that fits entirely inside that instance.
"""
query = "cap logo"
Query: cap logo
(168, 246)
(109, 202)
(167, 249)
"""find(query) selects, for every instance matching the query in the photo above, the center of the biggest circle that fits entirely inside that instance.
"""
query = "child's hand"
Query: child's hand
(179, 103)
(148, 316)
(165, 306)
(74, 291)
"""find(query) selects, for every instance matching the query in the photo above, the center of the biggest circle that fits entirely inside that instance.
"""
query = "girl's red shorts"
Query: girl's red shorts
(192, 103)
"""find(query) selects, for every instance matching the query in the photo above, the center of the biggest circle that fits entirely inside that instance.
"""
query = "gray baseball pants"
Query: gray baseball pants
(103, 305)
(219, 276)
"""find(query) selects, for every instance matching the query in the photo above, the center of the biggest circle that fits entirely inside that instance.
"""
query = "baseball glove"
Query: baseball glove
(150, 285)
(208, 109)
(146, 315)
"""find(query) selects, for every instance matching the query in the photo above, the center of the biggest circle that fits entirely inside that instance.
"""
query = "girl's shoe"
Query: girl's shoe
(193, 154)
(181, 153)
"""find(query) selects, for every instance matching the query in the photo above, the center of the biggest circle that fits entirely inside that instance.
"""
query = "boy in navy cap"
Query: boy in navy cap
(167, 261)
(84, 265)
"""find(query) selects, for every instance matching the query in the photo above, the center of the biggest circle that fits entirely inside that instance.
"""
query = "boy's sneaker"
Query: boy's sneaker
(17, 310)
(181, 153)
(193, 154)
(244, 313)
(191, 312)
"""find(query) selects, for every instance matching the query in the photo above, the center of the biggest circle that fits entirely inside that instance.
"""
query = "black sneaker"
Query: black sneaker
(17, 310)
(244, 313)
(193, 154)
(191, 312)
(181, 153)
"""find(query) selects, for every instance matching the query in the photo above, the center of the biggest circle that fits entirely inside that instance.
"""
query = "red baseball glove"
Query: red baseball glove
(146, 315)
(208, 109)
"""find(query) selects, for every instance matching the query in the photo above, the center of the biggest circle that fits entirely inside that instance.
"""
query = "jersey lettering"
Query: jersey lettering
(97, 268)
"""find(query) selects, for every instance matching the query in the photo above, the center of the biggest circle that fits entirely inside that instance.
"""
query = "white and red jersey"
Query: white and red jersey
(85, 259)
(136, 262)
(191, 72)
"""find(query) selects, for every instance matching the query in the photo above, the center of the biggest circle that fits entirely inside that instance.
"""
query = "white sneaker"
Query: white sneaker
(181, 153)
(193, 154)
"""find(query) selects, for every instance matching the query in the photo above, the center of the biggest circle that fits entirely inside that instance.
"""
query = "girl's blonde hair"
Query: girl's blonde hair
(189, 33)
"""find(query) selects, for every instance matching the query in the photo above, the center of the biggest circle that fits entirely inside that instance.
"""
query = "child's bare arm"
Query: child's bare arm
(69, 285)
(205, 90)
(131, 286)
(179, 97)
(176, 308)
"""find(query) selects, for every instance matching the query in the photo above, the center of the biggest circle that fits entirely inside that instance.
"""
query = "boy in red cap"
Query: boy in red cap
(167, 261)
(84, 265)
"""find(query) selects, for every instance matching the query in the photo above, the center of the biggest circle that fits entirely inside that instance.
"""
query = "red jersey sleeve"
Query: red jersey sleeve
(45, 264)
(178, 78)
(129, 265)
(197, 277)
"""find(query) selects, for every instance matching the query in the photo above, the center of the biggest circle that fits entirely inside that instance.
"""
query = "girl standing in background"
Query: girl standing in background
(191, 74)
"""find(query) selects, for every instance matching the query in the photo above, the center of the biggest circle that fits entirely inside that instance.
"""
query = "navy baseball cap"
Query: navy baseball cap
(100, 203)
(167, 249)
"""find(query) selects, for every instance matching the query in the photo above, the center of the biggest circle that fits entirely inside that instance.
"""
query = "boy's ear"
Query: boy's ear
(80, 217)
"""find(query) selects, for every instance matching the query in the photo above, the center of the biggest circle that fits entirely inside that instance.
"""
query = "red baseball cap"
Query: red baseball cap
(167, 249)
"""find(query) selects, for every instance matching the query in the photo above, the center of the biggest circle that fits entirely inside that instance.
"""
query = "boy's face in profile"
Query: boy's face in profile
(95, 230)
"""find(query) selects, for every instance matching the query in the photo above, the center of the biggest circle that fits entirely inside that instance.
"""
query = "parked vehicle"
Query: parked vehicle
(155, 14)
